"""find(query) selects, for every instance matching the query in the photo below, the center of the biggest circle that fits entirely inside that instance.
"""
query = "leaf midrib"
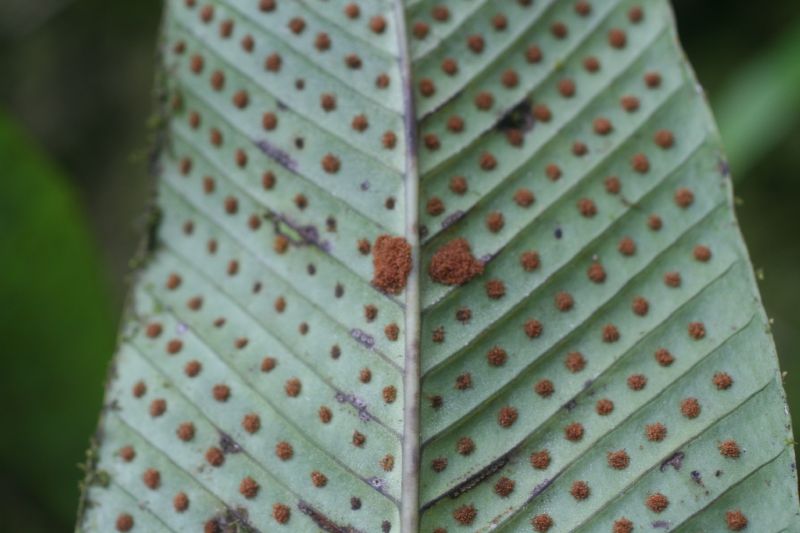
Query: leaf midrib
(409, 502)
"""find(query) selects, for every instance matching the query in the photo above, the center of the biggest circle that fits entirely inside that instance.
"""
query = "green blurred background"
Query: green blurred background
(75, 99)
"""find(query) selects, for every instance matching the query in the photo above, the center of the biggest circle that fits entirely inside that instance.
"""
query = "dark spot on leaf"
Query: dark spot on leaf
(540, 488)
(474, 480)
(675, 460)
(292, 233)
(452, 218)
(517, 118)
(231, 519)
(322, 521)
(276, 154)
(227, 443)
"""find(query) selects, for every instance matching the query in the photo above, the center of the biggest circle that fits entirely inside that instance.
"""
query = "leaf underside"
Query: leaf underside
(611, 366)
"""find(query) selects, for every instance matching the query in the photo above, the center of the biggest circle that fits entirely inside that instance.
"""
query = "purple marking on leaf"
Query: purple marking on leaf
(322, 521)
(475, 479)
(558, 233)
(363, 337)
(452, 219)
(660, 524)
(230, 517)
(377, 483)
(182, 328)
(541, 487)
(724, 167)
(358, 403)
(276, 154)
(696, 477)
(675, 461)
(308, 234)
(364, 185)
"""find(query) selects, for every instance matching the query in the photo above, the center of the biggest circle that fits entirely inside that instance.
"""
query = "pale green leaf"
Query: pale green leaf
(275, 174)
